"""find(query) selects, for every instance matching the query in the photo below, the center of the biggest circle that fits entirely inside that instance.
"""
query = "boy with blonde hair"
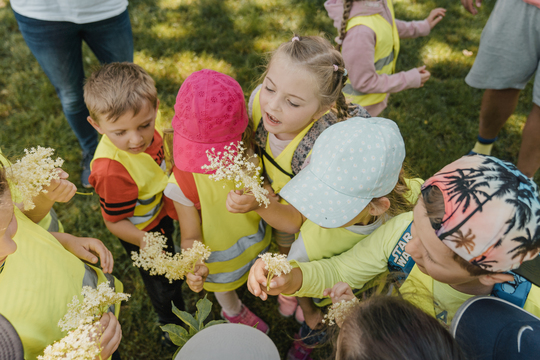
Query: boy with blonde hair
(128, 168)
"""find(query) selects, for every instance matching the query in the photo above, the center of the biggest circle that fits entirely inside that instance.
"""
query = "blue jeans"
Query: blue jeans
(57, 46)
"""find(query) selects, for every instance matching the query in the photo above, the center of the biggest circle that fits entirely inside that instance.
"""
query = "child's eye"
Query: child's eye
(293, 104)
(268, 89)
(145, 126)
(119, 133)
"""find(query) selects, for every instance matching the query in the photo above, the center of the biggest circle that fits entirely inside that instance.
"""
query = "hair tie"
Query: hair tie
(295, 38)
(336, 68)
(345, 72)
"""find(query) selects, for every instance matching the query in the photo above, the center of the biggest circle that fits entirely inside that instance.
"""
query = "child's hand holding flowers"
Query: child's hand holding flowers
(260, 285)
(196, 279)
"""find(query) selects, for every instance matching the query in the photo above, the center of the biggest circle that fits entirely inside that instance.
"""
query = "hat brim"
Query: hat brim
(320, 203)
(479, 322)
(191, 156)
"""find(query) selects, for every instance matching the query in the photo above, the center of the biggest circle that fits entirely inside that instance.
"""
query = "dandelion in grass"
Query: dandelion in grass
(233, 164)
(339, 311)
(83, 343)
(96, 302)
(155, 259)
(275, 264)
(33, 173)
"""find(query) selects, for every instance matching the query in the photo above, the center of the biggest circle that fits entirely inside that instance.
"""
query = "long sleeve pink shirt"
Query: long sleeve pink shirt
(358, 50)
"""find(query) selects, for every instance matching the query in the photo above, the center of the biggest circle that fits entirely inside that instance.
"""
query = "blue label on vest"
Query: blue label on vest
(515, 291)
(400, 261)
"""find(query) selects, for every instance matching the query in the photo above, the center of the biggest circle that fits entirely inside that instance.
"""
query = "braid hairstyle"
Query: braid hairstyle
(347, 6)
(317, 56)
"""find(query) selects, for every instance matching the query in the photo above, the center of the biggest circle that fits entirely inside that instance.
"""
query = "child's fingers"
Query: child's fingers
(111, 336)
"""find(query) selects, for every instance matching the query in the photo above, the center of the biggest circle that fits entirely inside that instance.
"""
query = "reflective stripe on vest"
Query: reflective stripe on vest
(149, 177)
(386, 53)
(235, 239)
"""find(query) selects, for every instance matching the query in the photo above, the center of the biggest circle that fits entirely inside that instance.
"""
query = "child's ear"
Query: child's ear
(380, 206)
(95, 125)
(495, 278)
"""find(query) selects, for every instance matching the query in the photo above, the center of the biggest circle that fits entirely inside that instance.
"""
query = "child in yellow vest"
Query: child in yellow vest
(128, 169)
(38, 279)
(300, 97)
(475, 223)
(369, 38)
(361, 161)
(210, 113)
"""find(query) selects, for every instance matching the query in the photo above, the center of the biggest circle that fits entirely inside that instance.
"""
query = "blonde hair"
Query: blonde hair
(398, 197)
(347, 6)
(117, 88)
(316, 55)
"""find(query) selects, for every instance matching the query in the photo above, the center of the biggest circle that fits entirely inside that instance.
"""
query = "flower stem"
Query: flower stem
(84, 193)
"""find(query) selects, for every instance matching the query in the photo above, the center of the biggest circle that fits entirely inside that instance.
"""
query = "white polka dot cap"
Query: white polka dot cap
(352, 162)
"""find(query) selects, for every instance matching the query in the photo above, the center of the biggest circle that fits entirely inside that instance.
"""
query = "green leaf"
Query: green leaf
(187, 318)
(178, 334)
(215, 322)
(204, 306)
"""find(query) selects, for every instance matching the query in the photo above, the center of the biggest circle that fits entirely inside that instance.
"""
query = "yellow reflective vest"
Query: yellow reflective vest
(37, 283)
(386, 53)
(276, 177)
(150, 178)
(235, 239)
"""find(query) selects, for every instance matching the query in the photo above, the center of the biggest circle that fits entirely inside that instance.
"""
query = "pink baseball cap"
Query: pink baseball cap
(210, 112)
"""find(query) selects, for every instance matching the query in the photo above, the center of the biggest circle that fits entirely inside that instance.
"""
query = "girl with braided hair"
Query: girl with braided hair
(369, 41)
(300, 96)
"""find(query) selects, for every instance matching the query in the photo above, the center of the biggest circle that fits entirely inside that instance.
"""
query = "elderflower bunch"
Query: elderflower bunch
(153, 258)
(339, 311)
(95, 304)
(234, 165)
(33, 173)
(275, 264)
(80, 344)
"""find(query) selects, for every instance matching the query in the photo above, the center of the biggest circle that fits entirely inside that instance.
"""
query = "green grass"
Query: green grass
(174, 38)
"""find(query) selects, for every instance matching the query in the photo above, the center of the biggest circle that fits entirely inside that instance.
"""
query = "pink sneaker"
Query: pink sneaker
(299, 315)
(246, 317)
(299, 350)
(287, 305)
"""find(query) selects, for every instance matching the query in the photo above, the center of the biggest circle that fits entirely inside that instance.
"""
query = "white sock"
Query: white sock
(230, 302)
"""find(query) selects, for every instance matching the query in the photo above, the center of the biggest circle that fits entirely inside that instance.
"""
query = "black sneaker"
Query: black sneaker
(85, 174)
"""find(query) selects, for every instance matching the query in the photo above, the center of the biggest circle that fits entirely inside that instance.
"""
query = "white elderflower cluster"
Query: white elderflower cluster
(83, 343)
(95, 304)
(276, 264)
(33, 173)
(339, 311)
(233, 164)
(175, 267)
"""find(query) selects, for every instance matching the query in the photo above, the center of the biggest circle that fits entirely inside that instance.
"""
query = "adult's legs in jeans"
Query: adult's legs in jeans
(111, 40)
(57, 48)
(529, 153)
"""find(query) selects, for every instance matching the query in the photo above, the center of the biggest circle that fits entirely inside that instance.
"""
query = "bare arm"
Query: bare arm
(279, 216)
(126, 231)
(190, 231)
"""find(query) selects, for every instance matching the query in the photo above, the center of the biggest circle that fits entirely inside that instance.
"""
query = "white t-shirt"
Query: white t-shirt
(75, 11)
